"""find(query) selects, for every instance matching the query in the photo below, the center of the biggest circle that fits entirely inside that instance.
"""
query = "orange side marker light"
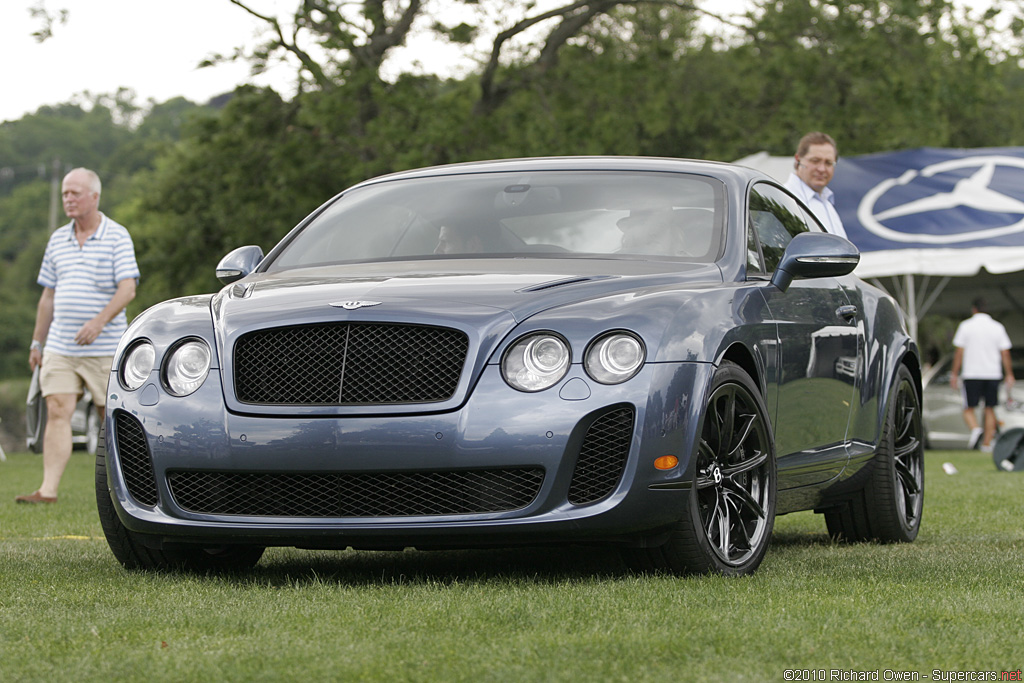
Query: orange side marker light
(666, 462)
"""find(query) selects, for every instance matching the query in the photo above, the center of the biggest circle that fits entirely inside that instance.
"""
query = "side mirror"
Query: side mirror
(815, 254)
(239, 263)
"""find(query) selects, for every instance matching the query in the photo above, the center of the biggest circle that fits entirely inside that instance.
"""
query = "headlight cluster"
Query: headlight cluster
(137, 365)
(184, 369)
(540, 360)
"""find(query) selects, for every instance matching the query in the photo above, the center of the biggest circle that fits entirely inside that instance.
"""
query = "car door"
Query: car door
(818, 350)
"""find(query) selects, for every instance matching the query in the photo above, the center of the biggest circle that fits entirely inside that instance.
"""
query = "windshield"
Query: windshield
(630, 215)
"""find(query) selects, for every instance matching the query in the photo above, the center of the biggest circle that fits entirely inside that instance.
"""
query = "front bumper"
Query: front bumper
(571, 464)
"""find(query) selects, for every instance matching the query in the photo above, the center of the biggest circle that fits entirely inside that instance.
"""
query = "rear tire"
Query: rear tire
(133, 554)
(888, 508)
(727, 525)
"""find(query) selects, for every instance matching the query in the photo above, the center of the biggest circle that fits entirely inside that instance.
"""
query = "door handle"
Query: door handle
(847, 313)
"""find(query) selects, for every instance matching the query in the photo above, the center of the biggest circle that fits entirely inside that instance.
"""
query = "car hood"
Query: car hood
(464, 293)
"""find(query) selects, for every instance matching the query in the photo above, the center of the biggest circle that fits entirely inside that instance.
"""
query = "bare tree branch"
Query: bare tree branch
(311, 65)
(357, 39)
(382, 36)
(574, 18)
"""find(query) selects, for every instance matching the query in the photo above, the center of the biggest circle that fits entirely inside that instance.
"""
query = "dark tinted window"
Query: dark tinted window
(776, 218)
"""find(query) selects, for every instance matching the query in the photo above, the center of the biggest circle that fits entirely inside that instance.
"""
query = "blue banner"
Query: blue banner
(932, 198)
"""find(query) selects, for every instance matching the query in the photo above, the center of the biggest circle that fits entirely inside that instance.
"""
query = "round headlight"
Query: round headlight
(536, 362)
(614, 358)
(137, 365)
(187, 367)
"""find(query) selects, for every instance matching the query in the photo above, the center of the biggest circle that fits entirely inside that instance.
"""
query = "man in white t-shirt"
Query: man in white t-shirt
(982, 360)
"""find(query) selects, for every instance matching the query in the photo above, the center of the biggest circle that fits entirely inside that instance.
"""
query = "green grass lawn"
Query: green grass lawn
(952, 601)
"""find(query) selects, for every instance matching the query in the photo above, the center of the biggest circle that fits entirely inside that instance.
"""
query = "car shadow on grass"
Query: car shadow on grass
(796, 539)
(350, 567)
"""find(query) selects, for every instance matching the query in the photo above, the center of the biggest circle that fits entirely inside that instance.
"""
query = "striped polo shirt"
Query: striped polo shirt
(84, 280)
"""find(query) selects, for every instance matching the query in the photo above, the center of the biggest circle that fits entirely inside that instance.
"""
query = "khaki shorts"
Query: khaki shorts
(69, 374)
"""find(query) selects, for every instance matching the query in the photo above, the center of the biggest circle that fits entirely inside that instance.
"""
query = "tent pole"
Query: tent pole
(934, 295)
(911, 305)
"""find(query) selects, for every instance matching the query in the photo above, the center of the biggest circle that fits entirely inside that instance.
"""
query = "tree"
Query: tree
(342, 43)
(888, 75)
(243, 177)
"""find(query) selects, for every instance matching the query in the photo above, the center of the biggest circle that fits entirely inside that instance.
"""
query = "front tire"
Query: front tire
(727, 525)
(133, 554)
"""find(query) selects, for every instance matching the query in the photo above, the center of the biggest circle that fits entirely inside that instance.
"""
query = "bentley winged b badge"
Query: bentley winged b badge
(353, 305)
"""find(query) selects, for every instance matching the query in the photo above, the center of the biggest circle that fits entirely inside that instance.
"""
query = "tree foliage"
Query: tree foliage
(586, 77)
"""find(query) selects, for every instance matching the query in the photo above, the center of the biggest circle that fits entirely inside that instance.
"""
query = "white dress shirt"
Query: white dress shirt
(821, 204)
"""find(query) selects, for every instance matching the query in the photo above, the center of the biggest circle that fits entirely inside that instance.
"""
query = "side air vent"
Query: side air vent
(602, 458)
(136, 464)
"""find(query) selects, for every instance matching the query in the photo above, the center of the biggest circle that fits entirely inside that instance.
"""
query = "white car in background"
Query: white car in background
(943, 406)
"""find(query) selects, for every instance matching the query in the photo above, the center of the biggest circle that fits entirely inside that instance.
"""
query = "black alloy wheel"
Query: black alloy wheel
(727, 526)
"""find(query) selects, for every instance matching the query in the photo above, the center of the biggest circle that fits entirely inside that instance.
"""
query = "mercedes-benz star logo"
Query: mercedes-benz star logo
(973, 192)
(353, 305)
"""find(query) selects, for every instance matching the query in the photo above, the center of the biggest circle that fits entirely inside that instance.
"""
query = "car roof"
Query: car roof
(726, 171)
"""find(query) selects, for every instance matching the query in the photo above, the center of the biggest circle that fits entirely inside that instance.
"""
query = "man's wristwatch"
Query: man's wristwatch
(36, 345)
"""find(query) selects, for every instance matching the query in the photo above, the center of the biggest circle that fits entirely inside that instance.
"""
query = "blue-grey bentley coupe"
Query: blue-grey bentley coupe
(656, 354)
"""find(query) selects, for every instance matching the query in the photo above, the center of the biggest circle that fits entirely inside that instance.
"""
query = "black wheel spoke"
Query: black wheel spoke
(908, 478)
(907, 414)
(716, 525)
(748, 500)
(747, 424)
(908, 449)
(752, 463)
(728, 418)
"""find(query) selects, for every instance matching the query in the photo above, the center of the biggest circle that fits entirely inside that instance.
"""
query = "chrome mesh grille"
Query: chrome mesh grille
(602, 458)
(349, 364)
(392, 494)
(136, 465)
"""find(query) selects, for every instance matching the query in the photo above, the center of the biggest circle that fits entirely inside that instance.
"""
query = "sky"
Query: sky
(151, 46)
(154, 47)
(108, 44)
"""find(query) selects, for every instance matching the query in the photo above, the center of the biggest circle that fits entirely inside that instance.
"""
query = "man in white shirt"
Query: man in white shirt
(88, 275)
(813, 167)
(982, 359)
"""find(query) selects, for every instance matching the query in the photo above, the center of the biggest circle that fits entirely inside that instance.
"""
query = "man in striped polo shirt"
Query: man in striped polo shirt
(88, 276)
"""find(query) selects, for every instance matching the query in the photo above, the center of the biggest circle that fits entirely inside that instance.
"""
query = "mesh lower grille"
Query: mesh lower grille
(602, 457)
(355, 495)
(136, 465)
(349, 364)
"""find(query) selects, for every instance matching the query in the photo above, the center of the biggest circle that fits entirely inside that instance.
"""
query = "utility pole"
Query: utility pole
(54, 193)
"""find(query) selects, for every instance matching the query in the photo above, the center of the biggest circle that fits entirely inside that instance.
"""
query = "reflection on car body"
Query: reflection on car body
(478, 355)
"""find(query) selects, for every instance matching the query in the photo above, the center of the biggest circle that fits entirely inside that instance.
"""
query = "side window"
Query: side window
(776, 219)
(754, 264)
